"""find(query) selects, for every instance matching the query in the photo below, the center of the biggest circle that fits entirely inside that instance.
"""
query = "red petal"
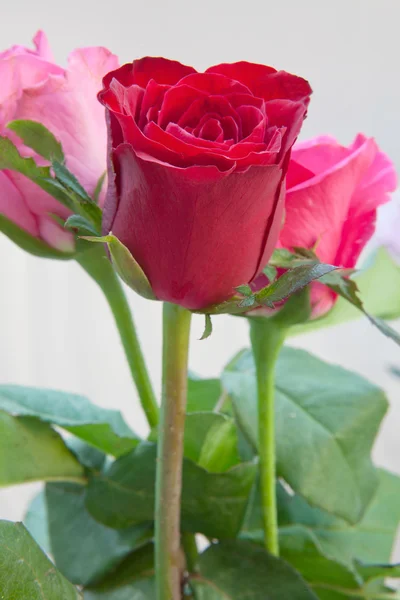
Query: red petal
(266, 82)
(188, 232)
(214, 105)
(251, 117)
(162, 70)
(214, 84)
(151, 103)
(176, 101)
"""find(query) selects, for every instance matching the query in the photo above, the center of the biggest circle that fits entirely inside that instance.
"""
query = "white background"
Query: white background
(55, 327)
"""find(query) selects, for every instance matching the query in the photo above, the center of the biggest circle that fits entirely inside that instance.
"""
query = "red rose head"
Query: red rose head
(197, 166)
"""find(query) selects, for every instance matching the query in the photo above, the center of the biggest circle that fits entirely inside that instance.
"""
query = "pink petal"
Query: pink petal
(13, 206)
(54, 235)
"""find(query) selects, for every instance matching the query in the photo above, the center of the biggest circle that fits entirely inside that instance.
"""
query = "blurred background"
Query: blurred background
(55, 327)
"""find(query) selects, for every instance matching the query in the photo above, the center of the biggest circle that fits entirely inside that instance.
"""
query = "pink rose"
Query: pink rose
(65, 101)
(332, 195)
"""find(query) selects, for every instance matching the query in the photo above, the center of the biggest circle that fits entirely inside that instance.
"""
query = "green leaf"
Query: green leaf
(371, 572)
(290, 282)
(126, 266)
(207, 327)
(212, 503)
(97, 189)
(300, 547)
(297, 309)
(29, 243)
(379, 287)
(41, 140)
(80, 225)
(36, 523)
(271, 273)
(11, 159)
(25, 571)
(326, 421)
(132, 580)
(242, 571)
(89, 456)
(347, 289)
(245, 290)
(32, 451)
(70, 182)
(102, 428)
(81, 201)
(83, 549)
(311, 549)
(369, 541)
(211, 441)
(203, 394)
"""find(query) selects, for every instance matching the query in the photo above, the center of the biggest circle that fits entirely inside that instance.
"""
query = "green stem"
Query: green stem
(95, 262)
(267, 339)
(176, 329)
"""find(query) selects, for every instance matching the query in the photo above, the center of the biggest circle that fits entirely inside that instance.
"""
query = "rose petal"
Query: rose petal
(253, 123)
(216, 105)
(214, 84)
(151, 103)
(162, 70)
(54, 235)
(181, 267)
(317, 209)
(212, 131)
(176, 102)
(13, 206)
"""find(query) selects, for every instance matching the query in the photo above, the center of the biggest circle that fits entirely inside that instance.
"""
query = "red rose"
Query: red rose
(197, 170)
(333, 192)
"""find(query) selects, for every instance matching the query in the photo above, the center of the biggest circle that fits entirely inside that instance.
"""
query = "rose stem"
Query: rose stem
(176, 329)
(266, 340)
(95, 262)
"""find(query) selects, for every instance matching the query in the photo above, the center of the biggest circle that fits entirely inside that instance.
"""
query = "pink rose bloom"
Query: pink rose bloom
(332, 197)
(65, 101)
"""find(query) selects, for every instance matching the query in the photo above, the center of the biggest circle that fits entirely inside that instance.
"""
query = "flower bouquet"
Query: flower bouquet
(192, 190)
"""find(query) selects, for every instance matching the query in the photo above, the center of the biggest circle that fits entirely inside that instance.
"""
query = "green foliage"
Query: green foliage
(211, 441)
(328, 552)
(41, 140)
(212, 503)
(36, 521)
(291, 282)
(379, 288)
(83, 549)
(240, 571)
(29, 243)
(32, 451)
(203, 394)
(132, 580)
(207, 327)
(102, 428)
(126, 266)
(326, 422)
(25, 571)
(369, 541)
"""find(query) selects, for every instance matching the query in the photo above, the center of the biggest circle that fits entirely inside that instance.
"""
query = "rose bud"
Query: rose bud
(332, 197)
(197, 169)
(34, 87)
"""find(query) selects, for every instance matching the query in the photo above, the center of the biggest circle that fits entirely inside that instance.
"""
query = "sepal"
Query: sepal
(126, 266)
